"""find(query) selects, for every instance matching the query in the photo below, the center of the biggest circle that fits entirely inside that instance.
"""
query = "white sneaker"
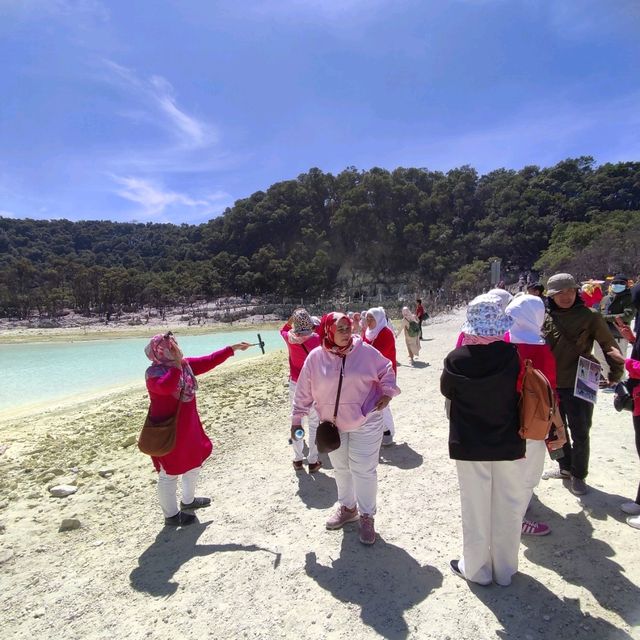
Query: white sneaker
(632, 508)
(634, 521)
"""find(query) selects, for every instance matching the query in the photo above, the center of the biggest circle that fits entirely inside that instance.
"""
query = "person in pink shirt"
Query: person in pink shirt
(171, 383)
(368, 384)
(301, 339)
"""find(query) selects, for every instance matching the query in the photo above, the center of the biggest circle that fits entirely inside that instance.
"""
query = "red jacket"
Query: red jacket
(193, 446)
(385, 343)
(298, 352)
(541, 358)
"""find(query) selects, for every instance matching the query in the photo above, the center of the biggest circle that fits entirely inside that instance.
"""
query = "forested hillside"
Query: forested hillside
(320, 232)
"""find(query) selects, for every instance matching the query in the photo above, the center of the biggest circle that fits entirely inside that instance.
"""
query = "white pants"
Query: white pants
(534, 464)
(298, 445)
(167, 486)
(493, 499)
(387, 420)
(355, 464)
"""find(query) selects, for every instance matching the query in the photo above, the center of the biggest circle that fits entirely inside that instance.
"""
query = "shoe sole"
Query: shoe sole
(544, 533)
(368, 542)
(339, 526)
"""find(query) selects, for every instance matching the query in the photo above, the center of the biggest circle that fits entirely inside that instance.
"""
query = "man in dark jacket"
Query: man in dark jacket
(480, 381)
(570, 330)
(618, 304)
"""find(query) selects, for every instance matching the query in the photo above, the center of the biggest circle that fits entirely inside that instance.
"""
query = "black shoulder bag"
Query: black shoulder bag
(327, 435)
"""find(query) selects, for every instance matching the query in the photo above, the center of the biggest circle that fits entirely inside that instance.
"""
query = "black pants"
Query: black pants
(576, 414)
(636, 428)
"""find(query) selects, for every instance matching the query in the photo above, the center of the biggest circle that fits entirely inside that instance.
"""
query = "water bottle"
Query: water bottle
(298, 434)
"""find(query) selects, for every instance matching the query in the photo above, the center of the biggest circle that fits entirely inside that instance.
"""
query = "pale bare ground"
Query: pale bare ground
(260, 563)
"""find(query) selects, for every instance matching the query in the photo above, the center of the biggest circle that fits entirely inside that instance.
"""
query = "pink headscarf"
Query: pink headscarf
(159, 351)
(328, 326)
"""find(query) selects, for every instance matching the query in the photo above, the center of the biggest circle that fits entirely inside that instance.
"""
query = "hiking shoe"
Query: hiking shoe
(297, 465)
(556, 474)
(634, 521)
(533, 528)
(314, 466)
(181, 519)
(632, 508)
(367, 530)
(578, 486)
(387, 440)
(198, 503)
(341, 517)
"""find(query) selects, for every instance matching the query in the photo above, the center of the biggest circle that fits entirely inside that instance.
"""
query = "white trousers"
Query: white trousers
(493, 497)
(387, 420)
(167, 486)
(355, 464)
(298, 445)
(534, 464)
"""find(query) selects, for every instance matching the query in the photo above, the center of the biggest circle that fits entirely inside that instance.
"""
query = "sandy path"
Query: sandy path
(261, 565)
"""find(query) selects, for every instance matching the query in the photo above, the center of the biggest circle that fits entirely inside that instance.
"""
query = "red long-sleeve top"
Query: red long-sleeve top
(193, 446)
(385, 343)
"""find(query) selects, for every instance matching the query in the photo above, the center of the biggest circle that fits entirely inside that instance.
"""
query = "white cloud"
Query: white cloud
(154, 200)
(7, 214)
(157, 97)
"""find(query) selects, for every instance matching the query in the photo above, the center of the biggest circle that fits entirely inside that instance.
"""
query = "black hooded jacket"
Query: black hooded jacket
(481, 383)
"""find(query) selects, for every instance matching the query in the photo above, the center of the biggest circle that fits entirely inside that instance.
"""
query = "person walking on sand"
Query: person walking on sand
(171, 384)
(298, 332)
(570, 330)
(411, 328)
(368, 384)
(528, 312)
(480, 383)
(379, 335)
(420, 315)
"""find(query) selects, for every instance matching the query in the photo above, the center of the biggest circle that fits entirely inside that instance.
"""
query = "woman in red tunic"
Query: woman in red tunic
(171, 383)
(380, 336)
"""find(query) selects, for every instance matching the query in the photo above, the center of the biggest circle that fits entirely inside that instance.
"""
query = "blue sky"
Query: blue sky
(170, 110)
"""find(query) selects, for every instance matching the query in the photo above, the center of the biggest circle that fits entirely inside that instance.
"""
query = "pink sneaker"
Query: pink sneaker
(532, 528)
(341, 517)
(367, 530)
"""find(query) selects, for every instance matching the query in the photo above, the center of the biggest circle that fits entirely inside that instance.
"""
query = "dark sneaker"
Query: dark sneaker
(455, 568)
(181, 519)
(578, 486)
(198, 503)
(367, 530)
(341, 517)
(297, 465)
(314, 466)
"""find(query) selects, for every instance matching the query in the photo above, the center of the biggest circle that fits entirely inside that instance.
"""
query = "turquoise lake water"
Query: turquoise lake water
(48, 373)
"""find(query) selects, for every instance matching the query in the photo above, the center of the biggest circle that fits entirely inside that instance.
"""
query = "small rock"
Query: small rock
(47, 477)
(62, 490)
(98, 543)
(3, 527)
(39, 613)
(128, 441)
(110, 487)
(56, 471)
(546, 618)
(106, 472)
(5, 555)
(85, 474)
(69, 524)
(34, 495)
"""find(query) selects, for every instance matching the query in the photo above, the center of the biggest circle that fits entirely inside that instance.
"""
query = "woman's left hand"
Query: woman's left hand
(382, 403)
(241, 346)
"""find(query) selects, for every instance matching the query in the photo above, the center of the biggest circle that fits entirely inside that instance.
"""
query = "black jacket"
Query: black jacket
(480, 381)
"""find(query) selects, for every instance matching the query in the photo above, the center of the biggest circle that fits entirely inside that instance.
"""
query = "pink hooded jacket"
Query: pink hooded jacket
(368, 376)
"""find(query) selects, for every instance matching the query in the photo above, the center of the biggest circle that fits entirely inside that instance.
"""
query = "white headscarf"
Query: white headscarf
(504, 295)
(381, 322)
(527, 312)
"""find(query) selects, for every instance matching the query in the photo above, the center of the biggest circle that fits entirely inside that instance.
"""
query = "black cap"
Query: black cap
(620, 277)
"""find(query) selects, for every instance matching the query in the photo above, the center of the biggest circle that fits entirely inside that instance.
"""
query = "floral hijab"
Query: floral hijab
(159, 352)
(328, 326)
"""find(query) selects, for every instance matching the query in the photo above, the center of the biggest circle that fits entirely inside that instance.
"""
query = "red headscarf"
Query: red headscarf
(328, 325)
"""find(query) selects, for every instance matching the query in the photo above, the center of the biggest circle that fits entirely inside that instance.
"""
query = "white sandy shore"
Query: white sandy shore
(260, 563)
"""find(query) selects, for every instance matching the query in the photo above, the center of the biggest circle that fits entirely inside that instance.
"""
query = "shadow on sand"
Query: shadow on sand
(383, 580)
(582, 560)
(317, 490)
(401, 456)
(170, 550)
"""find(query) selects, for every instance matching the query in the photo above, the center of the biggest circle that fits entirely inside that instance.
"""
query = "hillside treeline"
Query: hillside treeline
(320, 232)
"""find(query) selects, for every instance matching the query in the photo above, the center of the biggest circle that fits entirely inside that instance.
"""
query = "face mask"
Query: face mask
(618, 288)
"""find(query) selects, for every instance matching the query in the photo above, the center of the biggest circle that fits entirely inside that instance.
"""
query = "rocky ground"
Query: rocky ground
(259, 564)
